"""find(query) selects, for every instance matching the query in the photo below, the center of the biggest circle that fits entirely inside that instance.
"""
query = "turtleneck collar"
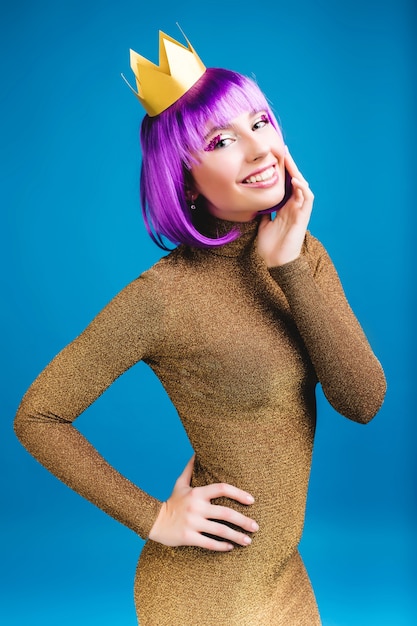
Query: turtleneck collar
(215, 227)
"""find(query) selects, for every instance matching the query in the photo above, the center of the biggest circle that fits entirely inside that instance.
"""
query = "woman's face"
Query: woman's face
(240, 170)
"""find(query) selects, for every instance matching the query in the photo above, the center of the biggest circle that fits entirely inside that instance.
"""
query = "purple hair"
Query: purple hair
(169, 139)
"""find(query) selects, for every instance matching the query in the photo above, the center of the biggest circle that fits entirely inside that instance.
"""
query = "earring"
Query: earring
(191, 197)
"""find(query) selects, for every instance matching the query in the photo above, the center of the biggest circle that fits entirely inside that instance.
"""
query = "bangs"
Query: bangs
(217, 98)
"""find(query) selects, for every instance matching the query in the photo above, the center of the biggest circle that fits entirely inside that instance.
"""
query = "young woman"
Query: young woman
(240, 322)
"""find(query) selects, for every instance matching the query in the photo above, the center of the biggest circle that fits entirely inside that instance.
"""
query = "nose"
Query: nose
(256, 146)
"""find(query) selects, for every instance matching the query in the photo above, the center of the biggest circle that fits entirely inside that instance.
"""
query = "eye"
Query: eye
(261, 122)
(217, 142)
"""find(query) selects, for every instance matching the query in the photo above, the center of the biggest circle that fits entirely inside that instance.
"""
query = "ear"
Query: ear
(191, 195)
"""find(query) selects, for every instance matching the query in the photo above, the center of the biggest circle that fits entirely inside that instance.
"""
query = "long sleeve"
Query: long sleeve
(122, 334)
(351, 376)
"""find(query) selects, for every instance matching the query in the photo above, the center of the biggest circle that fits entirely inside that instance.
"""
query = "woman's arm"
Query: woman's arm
(351, 376)
(116, 339)
(128, 329)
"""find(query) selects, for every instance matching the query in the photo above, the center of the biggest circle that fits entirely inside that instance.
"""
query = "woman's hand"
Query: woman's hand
(280, 240)
(188, 513)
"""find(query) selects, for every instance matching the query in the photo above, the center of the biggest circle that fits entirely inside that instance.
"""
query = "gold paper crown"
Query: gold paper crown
(160, 86)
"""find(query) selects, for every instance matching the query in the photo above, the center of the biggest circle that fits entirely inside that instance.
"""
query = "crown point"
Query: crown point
(159, 86)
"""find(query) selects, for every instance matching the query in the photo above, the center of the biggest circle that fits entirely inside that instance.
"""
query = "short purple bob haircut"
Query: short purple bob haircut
(170, 139)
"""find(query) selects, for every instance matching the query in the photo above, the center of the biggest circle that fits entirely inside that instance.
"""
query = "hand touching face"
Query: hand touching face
(280, 239)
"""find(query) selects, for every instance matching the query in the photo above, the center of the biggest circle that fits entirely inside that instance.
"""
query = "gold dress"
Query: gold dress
(239, 349)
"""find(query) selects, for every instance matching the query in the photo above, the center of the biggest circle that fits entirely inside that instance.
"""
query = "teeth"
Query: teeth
(265, 175)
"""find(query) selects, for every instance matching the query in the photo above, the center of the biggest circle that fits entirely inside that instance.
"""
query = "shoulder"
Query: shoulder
(167, 269)
(314, 252)
(161, 280)
(138, 309)
(313, 246)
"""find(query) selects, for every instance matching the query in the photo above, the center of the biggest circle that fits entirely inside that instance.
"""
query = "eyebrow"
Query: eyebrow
(216, 129)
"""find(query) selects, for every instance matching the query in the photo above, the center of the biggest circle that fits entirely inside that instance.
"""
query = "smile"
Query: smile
(266, 175)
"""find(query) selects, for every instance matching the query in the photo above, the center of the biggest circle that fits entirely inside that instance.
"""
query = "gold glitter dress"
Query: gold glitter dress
(239, 349)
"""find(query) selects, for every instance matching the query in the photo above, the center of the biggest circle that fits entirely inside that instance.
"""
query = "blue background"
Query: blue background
(341, 77)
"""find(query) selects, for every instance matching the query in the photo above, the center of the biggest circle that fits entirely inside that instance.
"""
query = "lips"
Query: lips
(265, 175)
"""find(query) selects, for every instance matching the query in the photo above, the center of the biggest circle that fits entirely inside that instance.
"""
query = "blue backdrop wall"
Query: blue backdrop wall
(340, 76)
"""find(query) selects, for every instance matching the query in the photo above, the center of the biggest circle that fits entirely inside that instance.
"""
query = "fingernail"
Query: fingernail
(250, 499)
(254, 526)
(247, 540)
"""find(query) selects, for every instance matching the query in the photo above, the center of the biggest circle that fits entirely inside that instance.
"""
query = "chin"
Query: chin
(285, 198)
(268, 211)
(274, 208)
